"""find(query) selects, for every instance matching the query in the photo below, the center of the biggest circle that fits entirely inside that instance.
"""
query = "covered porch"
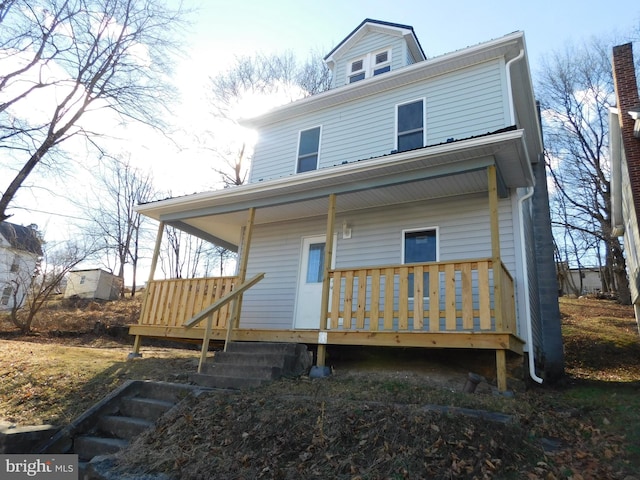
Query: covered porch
(462, 303)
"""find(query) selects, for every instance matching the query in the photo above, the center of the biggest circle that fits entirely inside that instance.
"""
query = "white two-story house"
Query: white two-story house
(406, 206)
(20, 252)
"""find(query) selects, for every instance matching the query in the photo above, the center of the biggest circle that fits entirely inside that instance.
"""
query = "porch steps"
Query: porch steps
(116, 420)
(251, 364)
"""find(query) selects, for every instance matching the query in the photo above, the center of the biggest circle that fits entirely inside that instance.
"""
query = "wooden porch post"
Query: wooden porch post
(242, 272)
(152, 271)
(501, 365)
(326, 281)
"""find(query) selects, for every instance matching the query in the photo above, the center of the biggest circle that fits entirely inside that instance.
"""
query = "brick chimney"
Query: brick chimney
(627, 99)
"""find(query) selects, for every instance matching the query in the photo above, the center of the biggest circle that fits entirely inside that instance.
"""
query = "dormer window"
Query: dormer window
(382, 63)
(369, 66)
(357, 71)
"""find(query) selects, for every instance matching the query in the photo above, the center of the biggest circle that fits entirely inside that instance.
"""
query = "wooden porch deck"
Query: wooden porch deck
(470, 304)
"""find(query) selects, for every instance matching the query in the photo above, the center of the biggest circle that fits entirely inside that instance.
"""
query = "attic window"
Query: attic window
(382, 63)
(357, 71)
(370, 65)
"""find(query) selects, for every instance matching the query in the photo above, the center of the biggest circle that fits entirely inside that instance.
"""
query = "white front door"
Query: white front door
(309, 296)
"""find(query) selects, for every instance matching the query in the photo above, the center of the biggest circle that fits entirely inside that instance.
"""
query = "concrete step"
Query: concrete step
(278, 359)
(87, 447)
(242, 370)
(123, 427)
(223, 381)
(169, 392)
(145, 408)
(263, 347)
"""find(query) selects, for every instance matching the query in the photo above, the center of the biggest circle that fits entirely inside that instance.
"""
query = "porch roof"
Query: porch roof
(430, 172)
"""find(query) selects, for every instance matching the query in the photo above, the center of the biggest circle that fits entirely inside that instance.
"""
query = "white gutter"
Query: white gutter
(527, 303)
(509, 88)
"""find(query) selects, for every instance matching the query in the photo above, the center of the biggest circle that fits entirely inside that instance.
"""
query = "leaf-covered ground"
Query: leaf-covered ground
(408, 420)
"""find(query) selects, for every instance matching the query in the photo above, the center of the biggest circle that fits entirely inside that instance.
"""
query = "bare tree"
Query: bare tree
(250, 84)
(575, 88)
(39, 286)
(75, 68)
(183, 254)
(115, 222)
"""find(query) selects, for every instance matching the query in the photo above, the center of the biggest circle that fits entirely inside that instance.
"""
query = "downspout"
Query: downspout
(527, 303)
(526, 196)
(509, 92)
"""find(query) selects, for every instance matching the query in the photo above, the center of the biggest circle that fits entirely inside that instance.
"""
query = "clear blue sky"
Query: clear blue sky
(221, 29)
(246, 26)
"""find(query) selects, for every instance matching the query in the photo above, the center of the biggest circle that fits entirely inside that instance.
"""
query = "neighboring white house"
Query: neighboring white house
(93, 283)
(20, 251)
(405, 206)
(624, 142)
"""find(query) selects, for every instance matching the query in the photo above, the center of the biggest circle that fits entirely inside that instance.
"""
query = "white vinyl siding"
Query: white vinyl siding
(463, 233)
(459, 105)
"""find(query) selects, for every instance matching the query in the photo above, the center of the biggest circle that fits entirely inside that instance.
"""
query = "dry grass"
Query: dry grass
(363, 422)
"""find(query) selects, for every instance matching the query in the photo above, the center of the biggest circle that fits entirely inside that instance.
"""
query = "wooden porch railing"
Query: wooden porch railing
(171, 303)
(456, 296)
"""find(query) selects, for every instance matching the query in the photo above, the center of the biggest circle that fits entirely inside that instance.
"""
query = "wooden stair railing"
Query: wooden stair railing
(207, 313)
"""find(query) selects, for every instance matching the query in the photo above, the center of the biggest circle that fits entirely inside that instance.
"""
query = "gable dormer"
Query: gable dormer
(373, 48)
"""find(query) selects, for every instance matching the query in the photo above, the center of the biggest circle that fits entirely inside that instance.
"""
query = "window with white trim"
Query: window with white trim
(420, 246)
(381, 62)
(308, 150)
(370, 65)
(410, 126)
(356, 70)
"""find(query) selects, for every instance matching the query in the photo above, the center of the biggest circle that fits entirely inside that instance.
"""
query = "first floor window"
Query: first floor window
(410, 126)
(308, 150)
(420, 246)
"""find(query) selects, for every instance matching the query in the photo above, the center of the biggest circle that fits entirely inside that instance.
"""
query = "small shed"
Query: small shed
(93, 283)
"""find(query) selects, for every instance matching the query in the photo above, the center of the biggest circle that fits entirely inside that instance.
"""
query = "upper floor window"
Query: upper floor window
(410, 126)
(369, 66)
(308, 150)
(15, 266)
(382, 62)
(357, 71)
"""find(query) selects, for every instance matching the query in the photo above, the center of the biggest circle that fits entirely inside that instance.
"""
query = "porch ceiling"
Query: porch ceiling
(443, 170)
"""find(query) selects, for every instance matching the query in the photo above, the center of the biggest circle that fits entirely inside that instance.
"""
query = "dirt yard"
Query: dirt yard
(406, 420)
